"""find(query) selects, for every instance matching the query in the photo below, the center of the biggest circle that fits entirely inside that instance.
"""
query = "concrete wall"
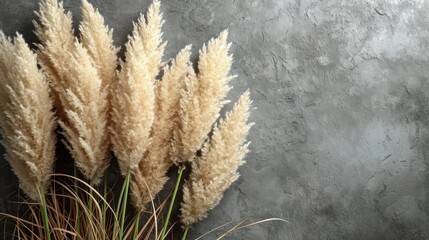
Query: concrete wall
(341, 143)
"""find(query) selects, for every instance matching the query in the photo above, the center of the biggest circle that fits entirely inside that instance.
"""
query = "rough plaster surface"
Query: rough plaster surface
(341, 143)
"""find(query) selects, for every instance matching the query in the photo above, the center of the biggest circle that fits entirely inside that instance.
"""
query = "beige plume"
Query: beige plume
(133, 95)
(216, 169)
(151, 177)
(56, 34)
(98, 40)
(150, 33)
(80, 80)
(203, 98)
(27, 121)
(85, 104)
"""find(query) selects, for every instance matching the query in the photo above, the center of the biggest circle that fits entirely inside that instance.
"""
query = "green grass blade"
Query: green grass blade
(173, 199)
(185, 233)
(124, 205)
(45, 217)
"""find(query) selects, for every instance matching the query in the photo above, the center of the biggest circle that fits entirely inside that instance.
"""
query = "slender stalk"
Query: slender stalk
(173, 199)
(90, 200)
(104, 202)
(185, 233)
(121, 195)
(76, 188)
(124, 205)
(136, 226)
(45, 213)
(118, 207)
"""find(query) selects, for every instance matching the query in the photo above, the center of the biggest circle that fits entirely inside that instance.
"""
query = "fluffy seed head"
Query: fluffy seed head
(152, 170)
(133, 96)
(202, 98)
(216, 169)
(55, 32)
(85, 105)
(27, 121)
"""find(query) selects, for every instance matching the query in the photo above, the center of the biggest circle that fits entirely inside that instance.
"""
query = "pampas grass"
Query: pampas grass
(97, 38)
(151, 176)
(55, 31)
(133, 94)
(203, 98)
(153, 115)
(80, 90)
(85, 105)
(27, 121)
(216, 169)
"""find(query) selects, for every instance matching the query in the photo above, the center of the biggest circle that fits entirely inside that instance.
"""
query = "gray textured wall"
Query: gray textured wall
(341, 142)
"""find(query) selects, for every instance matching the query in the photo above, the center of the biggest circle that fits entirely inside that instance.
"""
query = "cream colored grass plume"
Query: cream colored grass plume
(150, 33)
(98, 40)
(216, 169)
(80, 88)
(85, 105)
(203, 98)
(156, 162)
(27, 120)
(56, 34)
(133, 96)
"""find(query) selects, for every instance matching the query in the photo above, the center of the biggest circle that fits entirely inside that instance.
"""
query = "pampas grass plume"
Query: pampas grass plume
(133, 95)
(27, 121)
(98, 40)
(216, 169)
(55, 32)
(80, 74)
(153, 168)
(85, 104)
(203, 98)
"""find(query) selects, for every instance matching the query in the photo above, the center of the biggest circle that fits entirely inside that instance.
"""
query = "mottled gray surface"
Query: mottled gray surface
(341, 142)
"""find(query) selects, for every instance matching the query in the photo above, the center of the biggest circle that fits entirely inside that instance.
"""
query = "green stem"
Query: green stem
(173, 199)
(104, 202)
(76, 189)
(185, 233)
(45, 213)
(118, 207)
(124, 205)
(136, 227)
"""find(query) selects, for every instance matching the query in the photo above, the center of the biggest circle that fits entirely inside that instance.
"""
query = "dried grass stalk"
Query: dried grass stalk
(216, 169)
(133, 96)
(203, 98)
(27, 121)
(151, 177)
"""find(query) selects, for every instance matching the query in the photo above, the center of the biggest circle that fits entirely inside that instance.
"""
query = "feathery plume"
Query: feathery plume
(203, 98)
(85, 104)
(151, 177)
(76, 75)
(132, 111)
(56, 35)
(150, 33)
(133, 97)
(216, 169)
(98, 40)
(27, 121)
